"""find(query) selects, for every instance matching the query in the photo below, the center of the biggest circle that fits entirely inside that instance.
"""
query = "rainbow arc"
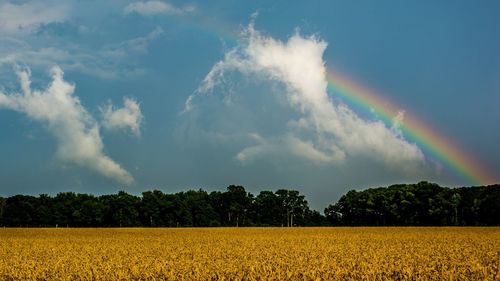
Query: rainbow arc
(433, 144)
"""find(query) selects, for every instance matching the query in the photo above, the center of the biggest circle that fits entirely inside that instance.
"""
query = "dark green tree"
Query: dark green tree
(267, 209)
(293, 206)
(3, 202)
(237, 203)
(120, 209)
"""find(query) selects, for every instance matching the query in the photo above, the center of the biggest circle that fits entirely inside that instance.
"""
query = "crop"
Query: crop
(250, 254)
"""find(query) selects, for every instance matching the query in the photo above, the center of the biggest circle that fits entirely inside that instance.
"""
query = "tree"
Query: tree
(237, 203)
(3, 202)
(315, 218)
(333, 214)
(216, 199)
(293, 205)
(267, 209)
(455, 202)
(156, 209)
(200, 209)
(489, 205)
(44, 210)
(20, 211)
(423, 203)
(88, 210)
(63, 209)
(120, 209)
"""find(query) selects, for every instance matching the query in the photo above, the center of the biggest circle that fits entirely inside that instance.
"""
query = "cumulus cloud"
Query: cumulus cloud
(277, 147)
(321, 130)
(151, 8)
(26, 17)
(76, 132)
(128, 117)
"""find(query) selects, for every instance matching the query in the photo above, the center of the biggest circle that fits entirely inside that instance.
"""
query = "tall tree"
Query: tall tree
(267, 208)
(120, 209)
(156, 209)
(20, 211)
(237, 202)
(293, 205)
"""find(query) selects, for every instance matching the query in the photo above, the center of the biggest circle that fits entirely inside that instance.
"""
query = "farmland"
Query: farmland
(250, 253)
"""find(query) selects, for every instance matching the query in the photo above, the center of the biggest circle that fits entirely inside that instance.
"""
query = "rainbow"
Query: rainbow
(428, 139)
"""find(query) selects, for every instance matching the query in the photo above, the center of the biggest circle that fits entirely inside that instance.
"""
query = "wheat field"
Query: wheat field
(250, 254)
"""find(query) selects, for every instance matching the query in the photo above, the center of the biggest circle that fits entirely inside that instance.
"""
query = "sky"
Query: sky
(318, 96)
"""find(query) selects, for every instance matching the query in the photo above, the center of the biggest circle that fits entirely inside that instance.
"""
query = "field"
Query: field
(250, 253)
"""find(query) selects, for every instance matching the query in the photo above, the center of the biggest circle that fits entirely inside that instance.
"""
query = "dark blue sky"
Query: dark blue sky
(262, 119)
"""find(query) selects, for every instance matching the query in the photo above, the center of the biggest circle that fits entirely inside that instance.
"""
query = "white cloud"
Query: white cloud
(112, 61)
(23, 18)
(325, 132)
(77, 133)
(151, 8)
(138, 45)
(287, 144)
(127, 117)
(71, 59)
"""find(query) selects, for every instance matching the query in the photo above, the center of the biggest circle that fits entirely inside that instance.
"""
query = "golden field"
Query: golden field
(250, 254)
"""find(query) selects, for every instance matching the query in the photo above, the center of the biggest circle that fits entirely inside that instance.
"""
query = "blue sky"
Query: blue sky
(101, 96)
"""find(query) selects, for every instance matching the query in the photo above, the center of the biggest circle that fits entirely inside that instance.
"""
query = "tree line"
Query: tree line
(421, 204)
(193, 208)
(410, 204)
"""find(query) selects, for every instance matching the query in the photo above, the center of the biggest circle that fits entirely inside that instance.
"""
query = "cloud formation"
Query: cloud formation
(138, 45)
(128, 117)
(151, 8)
(76, 132)
(319, 130)
(111, 61)
(25, 17)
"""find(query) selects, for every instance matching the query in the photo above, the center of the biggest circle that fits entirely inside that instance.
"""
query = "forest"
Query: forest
(421, 204)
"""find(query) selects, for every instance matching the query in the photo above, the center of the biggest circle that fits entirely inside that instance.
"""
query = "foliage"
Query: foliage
(421, 204)
(192, 208)
(411, 204)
